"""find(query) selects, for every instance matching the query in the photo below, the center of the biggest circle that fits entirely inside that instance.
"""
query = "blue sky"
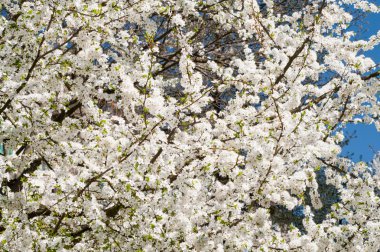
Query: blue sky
(366, 139)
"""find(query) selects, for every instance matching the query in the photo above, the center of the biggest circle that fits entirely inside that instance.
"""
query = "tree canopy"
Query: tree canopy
(192, 125)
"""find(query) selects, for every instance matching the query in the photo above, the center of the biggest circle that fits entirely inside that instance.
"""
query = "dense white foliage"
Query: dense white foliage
(167, 125)
(375, 164)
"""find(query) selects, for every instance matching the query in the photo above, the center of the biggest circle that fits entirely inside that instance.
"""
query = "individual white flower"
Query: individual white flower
(177, 20)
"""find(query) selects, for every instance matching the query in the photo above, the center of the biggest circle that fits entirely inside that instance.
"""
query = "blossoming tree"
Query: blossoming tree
(193, 125)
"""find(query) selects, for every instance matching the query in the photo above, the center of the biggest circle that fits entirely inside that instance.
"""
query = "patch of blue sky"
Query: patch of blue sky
(4, 13)
(364, 142)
